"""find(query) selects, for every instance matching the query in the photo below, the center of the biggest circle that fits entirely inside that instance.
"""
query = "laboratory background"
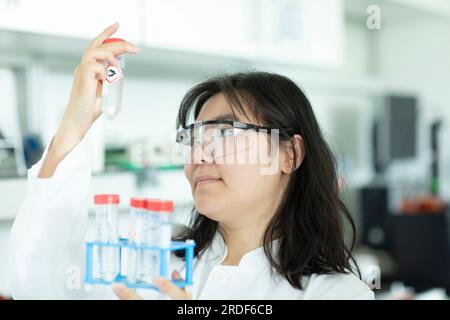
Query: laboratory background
(377, 73)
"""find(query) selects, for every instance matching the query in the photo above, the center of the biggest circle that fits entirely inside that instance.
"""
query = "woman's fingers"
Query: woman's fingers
(94, 55)
(125, 293)
(91, 68)
(176, 275)
(120, 47)
(166, 286)
(108, 32)
(108, 52)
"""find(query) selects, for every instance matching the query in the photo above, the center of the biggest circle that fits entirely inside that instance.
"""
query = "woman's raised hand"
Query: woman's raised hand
(84, 105)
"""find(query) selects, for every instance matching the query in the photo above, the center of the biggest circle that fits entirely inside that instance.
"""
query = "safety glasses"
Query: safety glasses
(221, 140)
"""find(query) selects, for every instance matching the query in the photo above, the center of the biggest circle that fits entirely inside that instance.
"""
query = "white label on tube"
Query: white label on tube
(113, 73)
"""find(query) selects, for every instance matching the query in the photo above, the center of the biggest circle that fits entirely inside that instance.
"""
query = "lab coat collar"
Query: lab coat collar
(218, 251)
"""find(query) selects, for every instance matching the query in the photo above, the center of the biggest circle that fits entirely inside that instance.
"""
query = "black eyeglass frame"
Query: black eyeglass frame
(234, 124)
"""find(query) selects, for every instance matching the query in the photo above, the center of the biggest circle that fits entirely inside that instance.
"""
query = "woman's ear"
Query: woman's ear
(291, 158)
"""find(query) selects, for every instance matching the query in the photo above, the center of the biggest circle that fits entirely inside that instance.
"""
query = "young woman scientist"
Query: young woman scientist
(259, 235)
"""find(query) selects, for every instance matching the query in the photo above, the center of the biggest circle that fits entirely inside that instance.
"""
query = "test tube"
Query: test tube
(150, 258)
(113, 85)
(165, 233)
(136, 236)
(106, 219)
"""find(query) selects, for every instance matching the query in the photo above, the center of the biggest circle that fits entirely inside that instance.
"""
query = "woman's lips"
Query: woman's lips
(206, 179)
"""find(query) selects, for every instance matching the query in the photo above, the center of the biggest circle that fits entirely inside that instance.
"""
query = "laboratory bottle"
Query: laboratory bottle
(136, 236)
(106, 221)
(112, 86)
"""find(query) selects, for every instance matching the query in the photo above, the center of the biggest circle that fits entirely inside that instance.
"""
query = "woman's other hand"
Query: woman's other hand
(164, 285)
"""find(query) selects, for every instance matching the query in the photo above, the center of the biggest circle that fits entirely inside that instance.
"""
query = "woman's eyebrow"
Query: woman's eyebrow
(228, 116)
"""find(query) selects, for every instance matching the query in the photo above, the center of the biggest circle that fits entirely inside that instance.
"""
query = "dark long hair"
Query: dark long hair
(311, 217)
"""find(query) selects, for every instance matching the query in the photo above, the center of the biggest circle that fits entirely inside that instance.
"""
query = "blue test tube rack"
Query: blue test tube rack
(123, 243)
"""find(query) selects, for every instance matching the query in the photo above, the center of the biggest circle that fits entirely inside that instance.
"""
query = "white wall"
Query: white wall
(415, 55)
(345, 114)
(358, 49)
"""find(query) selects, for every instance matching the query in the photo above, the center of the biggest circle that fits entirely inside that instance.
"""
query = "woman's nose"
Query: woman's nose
(203, 153)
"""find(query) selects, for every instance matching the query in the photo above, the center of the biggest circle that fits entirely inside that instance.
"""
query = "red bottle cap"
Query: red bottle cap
(110, 40)
(159, 205)
(167, 206)
(139, 203)
(106, 199)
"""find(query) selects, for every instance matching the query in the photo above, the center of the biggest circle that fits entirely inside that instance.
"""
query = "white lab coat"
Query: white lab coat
(46, 248)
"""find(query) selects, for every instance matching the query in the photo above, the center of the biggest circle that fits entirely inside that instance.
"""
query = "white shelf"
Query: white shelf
(52, 46)
(296, 31)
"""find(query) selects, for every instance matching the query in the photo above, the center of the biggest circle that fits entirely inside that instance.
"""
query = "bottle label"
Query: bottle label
(113, 73)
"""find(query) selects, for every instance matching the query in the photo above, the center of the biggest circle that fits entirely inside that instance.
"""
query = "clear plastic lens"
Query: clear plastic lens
(221, 142)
